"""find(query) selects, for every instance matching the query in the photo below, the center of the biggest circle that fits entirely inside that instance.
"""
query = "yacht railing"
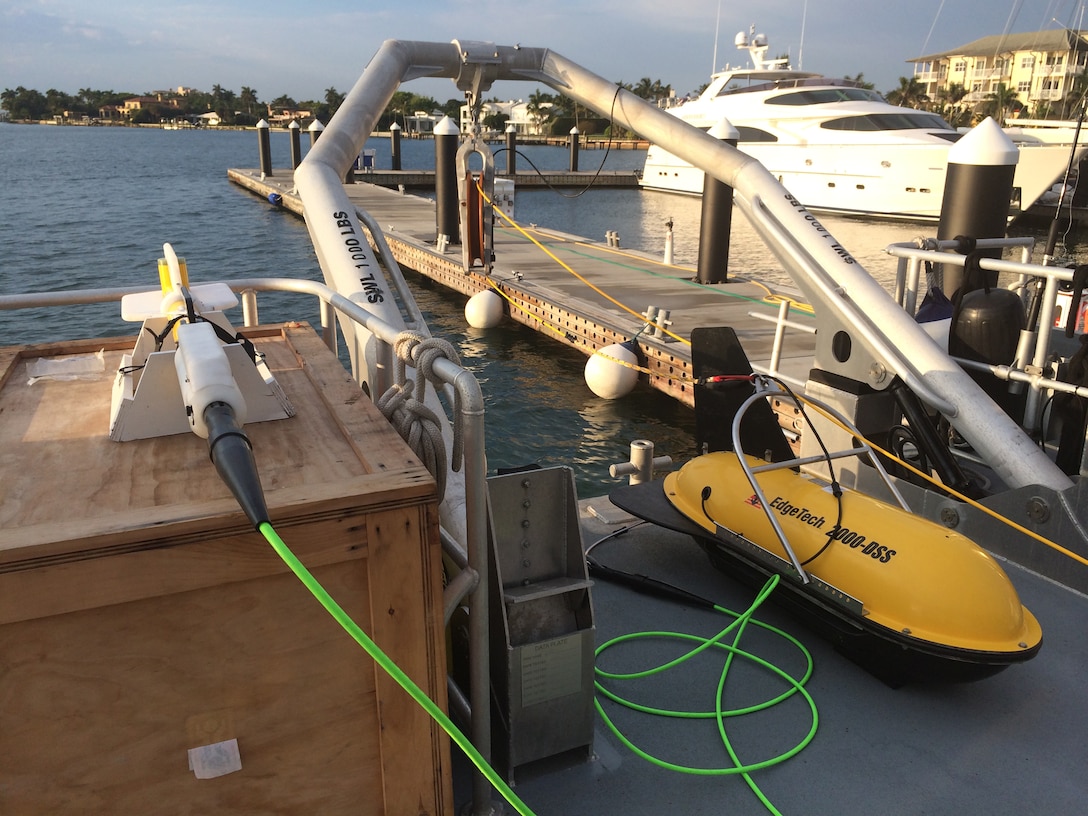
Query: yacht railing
(1036, 346)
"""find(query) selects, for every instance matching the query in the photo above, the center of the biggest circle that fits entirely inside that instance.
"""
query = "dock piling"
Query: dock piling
(511, 150)
(977, 191)
(264, 147)
(296, 146)
(445, 180)
(716, 225)
(394, 142)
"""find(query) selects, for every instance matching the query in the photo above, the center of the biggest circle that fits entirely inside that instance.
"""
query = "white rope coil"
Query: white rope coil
(403, 404)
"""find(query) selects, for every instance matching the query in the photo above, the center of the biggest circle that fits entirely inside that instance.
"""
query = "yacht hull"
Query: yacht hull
(901, 182)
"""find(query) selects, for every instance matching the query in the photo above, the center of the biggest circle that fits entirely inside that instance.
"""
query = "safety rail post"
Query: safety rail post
(328, 326)
(779, 334)
(249, 307)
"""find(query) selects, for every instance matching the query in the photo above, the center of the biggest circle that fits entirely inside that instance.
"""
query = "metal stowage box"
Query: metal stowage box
(541, 621)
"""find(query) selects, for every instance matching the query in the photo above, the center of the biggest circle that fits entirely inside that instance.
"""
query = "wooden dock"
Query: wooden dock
(563, 179)
(565, 306)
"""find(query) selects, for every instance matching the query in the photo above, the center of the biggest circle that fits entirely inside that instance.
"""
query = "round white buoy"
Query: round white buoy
(484, 310)
(609, 379)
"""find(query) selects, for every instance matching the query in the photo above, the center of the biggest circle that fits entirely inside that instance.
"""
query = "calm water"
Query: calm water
(91, 207)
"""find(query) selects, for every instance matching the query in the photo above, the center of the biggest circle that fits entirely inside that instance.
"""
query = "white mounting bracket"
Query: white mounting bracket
(147, 398)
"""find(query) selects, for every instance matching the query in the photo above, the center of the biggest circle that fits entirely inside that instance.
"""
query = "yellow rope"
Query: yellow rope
(936, 482)
(581, 278)
(771, 297)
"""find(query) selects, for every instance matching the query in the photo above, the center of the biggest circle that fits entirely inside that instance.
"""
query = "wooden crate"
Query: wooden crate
(141, 616)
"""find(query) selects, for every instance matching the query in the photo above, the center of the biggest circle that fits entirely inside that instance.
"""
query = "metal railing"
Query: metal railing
(1034, 350)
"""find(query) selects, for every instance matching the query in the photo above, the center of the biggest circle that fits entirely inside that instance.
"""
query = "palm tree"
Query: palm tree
(1001, 102)
(248, 99)
(334, 99)
(651, 90)
(947, 104)
(1078, 92)
(910, 93)
(541, 109)
(860, 80)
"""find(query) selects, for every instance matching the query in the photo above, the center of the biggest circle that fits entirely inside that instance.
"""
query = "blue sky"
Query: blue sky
(301, 47)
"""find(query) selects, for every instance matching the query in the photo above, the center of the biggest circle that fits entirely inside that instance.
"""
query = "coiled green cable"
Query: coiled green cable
(737, 627)
(739, 624)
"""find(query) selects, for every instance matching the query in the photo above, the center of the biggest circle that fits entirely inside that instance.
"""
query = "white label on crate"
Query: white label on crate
(217, 759)
(550, 670)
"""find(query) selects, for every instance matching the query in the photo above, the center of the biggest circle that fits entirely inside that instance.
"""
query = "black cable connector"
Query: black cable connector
(647, 585)
(232, 455)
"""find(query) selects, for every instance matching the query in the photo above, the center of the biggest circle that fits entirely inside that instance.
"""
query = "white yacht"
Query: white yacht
(838, 147)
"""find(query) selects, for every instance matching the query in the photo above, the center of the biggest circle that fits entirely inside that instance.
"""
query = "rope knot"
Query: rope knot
(403, 405)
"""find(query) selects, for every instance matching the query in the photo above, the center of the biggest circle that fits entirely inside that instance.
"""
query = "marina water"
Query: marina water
(87, 207)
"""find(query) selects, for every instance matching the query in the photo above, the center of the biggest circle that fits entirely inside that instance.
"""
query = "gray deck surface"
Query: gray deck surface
(1015, 743)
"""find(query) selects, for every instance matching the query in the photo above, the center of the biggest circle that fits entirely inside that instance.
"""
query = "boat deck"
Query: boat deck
(1012, 743)
(551, 300)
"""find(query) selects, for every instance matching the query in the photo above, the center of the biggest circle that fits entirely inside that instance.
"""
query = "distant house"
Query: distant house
(135, 103)
(284, 116)
(516, 112)
(422, 123)
(1041, 67)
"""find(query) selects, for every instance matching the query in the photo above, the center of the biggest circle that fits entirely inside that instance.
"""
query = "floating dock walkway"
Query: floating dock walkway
(581, 308)
(424, 179)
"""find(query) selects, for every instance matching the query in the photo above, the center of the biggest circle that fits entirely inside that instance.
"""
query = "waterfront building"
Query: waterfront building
(1044, 69)
(517, 113)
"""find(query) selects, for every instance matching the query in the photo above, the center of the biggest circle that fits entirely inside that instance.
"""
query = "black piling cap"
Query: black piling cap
(233, 457)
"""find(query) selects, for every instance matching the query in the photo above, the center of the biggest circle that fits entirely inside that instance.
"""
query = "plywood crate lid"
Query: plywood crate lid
(69, 493)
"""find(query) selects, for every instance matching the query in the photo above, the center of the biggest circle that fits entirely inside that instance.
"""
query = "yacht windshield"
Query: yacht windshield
(818, 96)
(889, 121)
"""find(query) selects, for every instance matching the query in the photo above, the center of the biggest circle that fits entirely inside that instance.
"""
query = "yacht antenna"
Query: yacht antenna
(717, 30)
(801, 48)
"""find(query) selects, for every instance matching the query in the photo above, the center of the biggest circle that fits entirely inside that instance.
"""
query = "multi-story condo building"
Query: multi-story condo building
(1045, 69)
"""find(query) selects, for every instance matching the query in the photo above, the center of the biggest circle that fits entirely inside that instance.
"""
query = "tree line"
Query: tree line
(245, 108)
(555, 113)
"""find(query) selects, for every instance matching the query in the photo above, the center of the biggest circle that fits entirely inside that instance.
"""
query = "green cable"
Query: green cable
(391, 668)
(739, 624)
(741, 621)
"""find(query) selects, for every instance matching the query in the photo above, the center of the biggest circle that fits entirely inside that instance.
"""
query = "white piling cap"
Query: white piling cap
(986, 144)
(724, 130)
(263, 124)
(446, 127)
